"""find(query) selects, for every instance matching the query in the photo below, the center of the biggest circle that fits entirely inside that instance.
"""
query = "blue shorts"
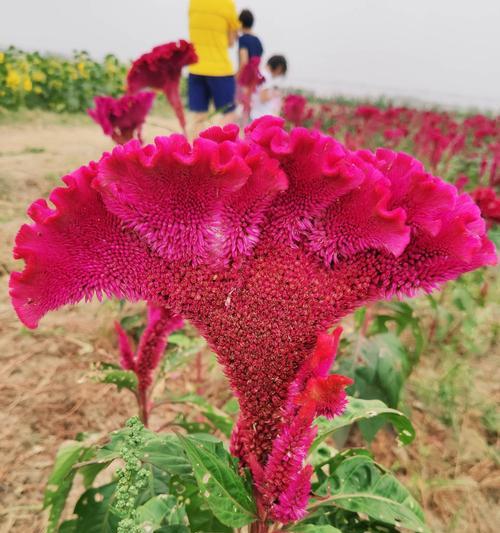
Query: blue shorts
(203, 89)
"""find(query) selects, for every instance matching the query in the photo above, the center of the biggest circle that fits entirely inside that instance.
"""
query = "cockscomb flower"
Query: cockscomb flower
(295, 109)
(122, 118)
(161, 69)
(160, 323)
(489, 204)
(263, 243)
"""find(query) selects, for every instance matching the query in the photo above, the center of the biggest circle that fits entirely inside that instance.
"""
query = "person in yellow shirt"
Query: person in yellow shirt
(213, 26)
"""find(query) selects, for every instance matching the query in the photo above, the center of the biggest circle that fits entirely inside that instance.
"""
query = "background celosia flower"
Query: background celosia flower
(295, 109)
(122, 118)
(263, 244)
(161, 69)
(489, 204)
(160, 323)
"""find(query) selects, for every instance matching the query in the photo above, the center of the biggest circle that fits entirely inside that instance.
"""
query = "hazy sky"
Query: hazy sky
(445, 51)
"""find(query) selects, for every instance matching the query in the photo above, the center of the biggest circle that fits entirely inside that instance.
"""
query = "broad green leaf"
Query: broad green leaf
(379, 369)
(165, 453)
(360, 485)
(201, 519)
(357, 410)
(61, 480)
(174, 528)
(113, 374)
(68, 526)
(94, 510)
(159, 511)
(313, 528)
(225, 492)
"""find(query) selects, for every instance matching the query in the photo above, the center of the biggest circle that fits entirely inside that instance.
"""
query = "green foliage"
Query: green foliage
(356, 484)
(61, 480)
(62, 84)
(225, 491)
(359, 410)
(115, 375)
(379, 366)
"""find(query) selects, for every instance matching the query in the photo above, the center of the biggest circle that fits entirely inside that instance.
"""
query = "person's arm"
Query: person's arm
(231, 37)
(268, 94)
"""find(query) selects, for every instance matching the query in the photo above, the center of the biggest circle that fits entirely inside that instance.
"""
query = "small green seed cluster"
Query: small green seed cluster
(131, 478)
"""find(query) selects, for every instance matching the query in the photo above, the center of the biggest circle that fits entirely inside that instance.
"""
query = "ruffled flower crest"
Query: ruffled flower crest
(122, 118)
(161, 69)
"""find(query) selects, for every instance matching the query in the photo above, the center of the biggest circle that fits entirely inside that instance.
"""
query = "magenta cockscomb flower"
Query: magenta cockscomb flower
(295, 109)
(489, 204)
(160, 323)
(263, 244)
(161, 69)
(122, 118)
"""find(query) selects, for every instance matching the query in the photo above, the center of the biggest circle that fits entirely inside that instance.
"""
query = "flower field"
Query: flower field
(298, 322)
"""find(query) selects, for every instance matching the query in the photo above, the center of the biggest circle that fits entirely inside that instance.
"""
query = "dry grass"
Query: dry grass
(47, 397)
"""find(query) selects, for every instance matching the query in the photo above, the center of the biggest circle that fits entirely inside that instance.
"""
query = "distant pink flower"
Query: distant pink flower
(122, 118)
(295, 109)
(263, 244)
(489, 204)
(161, 69)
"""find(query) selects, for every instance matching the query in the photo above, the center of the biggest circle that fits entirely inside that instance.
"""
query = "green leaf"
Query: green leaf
(360, 485)
(94, 511)
(61, 480)
(201, 519)
(165, 453)
(159, 511)
(113, 374)
(226, 493)
(357, 410)
(379, 369)
(68, 526)
(313, 528)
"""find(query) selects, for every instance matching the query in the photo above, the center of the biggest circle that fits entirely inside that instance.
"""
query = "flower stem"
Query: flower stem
(142, 400)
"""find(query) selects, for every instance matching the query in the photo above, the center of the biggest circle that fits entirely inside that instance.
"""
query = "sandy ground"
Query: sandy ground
(46, 395)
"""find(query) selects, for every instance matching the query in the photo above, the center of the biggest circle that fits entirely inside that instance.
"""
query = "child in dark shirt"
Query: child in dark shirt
(249, 55)
(249, 45)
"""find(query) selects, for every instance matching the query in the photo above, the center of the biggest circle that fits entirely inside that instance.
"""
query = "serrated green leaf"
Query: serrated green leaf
(226, 493)
(357, 410)
(360, 485)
